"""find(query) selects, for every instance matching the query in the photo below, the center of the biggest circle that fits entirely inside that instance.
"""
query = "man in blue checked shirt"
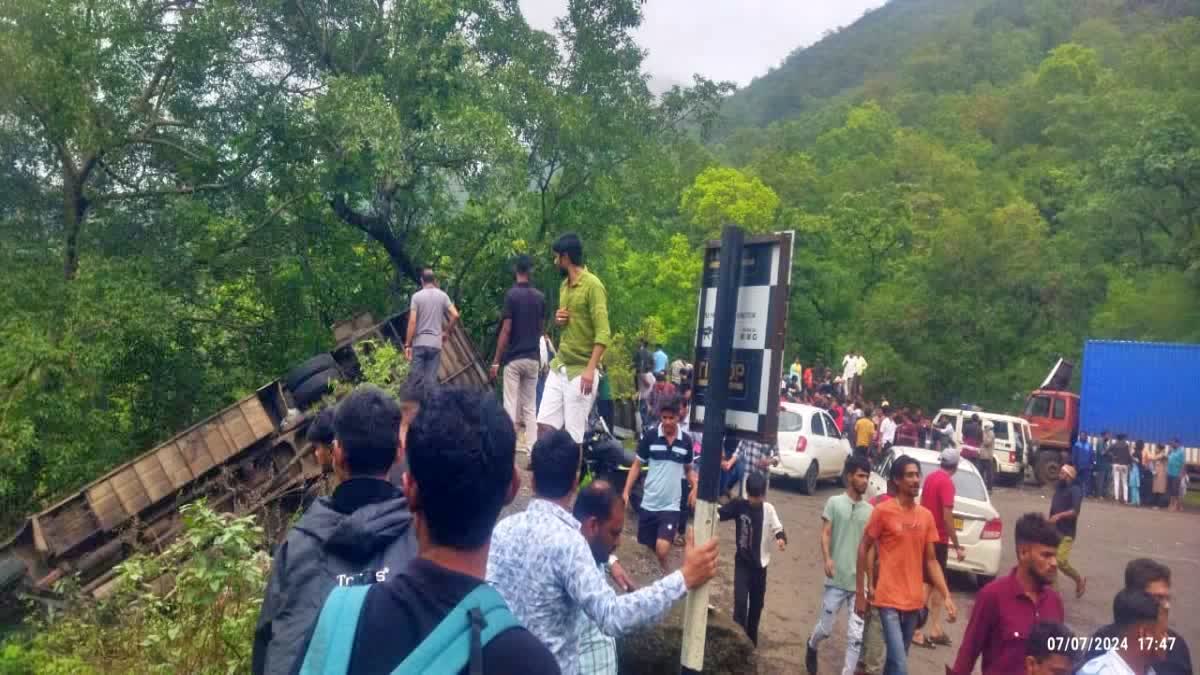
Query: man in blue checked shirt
(547, 573)
(601, 516)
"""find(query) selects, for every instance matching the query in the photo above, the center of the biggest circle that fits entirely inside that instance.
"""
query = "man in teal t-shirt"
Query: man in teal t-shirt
(844, 519)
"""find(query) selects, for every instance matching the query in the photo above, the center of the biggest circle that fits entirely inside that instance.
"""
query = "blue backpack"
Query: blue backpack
(455, 642)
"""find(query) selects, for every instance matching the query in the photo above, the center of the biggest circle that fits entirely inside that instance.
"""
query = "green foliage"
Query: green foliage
(382, 365)
(985, 190)
(191, 609)
(191, 197)
(724, 195)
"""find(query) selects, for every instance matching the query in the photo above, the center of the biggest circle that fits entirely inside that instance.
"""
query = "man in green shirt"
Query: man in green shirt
(583, 317)
(844, 519)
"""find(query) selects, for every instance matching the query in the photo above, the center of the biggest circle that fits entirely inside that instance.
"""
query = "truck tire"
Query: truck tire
(1045, 471)
(314, 388)
(296, 376)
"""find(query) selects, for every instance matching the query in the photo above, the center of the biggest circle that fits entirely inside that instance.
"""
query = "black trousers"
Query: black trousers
(685, 509)
(986, 468)
(749, 591)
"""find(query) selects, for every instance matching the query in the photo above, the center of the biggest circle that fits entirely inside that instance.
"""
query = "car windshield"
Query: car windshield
(966, 485)
(1038, 406)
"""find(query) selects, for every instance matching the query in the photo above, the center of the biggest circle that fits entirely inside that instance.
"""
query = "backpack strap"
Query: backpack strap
(460, 637)
(333, 642)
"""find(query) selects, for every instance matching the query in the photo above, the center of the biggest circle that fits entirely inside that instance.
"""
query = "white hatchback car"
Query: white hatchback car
(976, 520)
(810, 446)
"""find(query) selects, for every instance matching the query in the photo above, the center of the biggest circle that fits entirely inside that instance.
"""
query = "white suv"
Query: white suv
(1014, 438)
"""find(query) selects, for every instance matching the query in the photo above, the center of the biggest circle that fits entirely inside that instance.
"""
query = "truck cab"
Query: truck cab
(1054, 416)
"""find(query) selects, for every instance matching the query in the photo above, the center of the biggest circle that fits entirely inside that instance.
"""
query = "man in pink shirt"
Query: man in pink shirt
(937, 495)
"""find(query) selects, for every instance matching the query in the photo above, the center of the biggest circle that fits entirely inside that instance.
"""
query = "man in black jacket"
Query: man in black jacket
(1154, 579)
(461, 449)
(361, 534)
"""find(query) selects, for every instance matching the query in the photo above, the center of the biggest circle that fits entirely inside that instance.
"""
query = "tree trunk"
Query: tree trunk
(379, 230)
(74, 210)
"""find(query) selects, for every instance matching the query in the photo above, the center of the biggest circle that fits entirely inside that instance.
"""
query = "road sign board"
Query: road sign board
(760, 332)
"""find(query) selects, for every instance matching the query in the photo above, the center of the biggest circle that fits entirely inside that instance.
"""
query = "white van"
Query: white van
(1014, 438)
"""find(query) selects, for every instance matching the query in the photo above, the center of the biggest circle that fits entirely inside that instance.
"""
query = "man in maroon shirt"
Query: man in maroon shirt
(937, 495)
(1007, 609)
(908, 433)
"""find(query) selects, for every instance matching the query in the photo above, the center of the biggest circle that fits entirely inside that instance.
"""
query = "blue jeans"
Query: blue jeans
(425, 364)
(898, 629)
(832, 602)
(731, 478)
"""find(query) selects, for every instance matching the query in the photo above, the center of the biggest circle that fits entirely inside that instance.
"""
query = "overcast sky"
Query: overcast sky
(721, 39)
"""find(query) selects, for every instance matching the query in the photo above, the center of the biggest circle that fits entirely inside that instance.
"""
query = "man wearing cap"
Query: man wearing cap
(1064, 515)
(937, 495)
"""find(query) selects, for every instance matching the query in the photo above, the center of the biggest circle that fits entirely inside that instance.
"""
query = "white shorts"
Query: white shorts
(564, 406)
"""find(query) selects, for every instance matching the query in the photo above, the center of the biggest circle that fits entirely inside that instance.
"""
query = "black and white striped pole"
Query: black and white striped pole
(716, 397)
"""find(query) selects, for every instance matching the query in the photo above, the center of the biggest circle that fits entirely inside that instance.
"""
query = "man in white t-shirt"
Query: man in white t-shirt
(849, 367)
(887, 430)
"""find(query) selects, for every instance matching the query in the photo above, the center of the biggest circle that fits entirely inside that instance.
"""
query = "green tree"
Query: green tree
(724, 195)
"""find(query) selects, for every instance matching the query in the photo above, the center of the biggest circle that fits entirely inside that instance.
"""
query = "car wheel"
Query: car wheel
(809, 486)
(314, 388)
(296, 376)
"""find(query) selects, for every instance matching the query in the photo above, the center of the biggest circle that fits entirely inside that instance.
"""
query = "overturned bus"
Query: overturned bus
(248, 458)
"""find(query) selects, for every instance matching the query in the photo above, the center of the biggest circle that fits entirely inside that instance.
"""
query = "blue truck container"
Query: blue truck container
(1149, 391)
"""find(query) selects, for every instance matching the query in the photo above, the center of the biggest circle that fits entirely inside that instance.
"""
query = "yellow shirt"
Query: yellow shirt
(864, 431)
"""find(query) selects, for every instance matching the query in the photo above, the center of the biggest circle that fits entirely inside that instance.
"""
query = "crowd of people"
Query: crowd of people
(1131, 472)
(885, 561)
(657, 379)
(407, 564)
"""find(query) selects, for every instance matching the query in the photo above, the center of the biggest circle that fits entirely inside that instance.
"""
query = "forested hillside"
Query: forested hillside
(981, 185)
(192, 193)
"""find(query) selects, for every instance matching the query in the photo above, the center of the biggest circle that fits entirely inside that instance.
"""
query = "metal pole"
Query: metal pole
(716, 396)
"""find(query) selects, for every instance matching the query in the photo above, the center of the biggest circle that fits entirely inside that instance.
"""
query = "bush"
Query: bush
(191, 609)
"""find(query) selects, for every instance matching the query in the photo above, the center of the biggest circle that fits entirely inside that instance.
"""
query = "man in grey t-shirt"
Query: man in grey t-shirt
(431, 315)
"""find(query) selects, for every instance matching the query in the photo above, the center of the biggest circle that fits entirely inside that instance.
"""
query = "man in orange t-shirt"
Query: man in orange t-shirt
(904, 533)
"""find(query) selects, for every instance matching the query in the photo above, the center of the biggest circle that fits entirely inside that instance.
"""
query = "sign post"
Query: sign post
(695, 622)
(740, 335)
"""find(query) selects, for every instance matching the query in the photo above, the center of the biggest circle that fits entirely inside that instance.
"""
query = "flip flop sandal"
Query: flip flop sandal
(943, 641)
(924, 645)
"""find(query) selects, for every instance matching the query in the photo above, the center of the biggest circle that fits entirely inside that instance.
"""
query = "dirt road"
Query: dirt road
(1109, 536)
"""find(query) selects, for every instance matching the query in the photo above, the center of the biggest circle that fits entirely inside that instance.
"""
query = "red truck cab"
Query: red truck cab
(1054, 417)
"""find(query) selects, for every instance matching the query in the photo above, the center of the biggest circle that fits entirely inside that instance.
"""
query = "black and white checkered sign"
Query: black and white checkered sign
(758, 341)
